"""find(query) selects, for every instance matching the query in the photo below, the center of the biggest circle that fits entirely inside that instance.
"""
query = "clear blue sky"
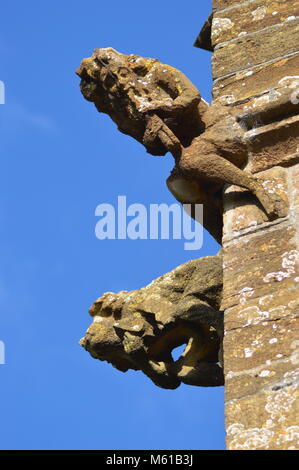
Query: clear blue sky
(60, 159)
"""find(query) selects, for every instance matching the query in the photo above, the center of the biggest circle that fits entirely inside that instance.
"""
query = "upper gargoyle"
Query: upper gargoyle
(159, 106)
(131, 89)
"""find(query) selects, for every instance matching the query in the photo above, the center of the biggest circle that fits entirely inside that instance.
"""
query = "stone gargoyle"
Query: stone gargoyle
(139, 329)
(159, 106)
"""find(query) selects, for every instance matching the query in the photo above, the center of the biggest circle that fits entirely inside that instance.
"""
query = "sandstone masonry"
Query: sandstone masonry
(256, 71)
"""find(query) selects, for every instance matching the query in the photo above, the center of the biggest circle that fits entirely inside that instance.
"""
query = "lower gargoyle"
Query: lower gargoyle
(139, 329)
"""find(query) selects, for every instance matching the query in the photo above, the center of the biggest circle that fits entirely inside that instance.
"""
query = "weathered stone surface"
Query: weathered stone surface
(295, 187)
(255, 67)
(221, 4)
(265, 421)
(251, 17)
(271, 106)
(281, 103)
(139, 329)
(269, 308)
(241, 86)
(254, 49)
(274, 144)
(253, 346)
(273, 375)
(241, 211)
(260, 264)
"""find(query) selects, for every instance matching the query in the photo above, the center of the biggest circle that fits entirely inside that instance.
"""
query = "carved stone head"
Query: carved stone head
(139, 329)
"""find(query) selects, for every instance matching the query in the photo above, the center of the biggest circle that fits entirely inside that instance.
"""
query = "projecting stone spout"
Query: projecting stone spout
(139, 329)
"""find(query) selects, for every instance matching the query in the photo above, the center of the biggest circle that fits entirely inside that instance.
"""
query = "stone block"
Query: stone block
(274, 144)
(269, 308)
(264, 421)
(257, 346)
(272, 376)
(251, 17)
(241, 86)
(254, 49)
(260, 264)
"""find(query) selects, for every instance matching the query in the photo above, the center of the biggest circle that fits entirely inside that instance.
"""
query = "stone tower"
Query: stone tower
(255, 48)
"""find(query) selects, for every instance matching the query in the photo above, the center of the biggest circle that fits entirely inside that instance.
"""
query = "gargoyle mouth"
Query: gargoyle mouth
(200, 354)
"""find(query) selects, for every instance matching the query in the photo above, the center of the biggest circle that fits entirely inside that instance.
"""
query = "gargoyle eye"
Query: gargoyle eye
(123, 72)
(140, 70)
